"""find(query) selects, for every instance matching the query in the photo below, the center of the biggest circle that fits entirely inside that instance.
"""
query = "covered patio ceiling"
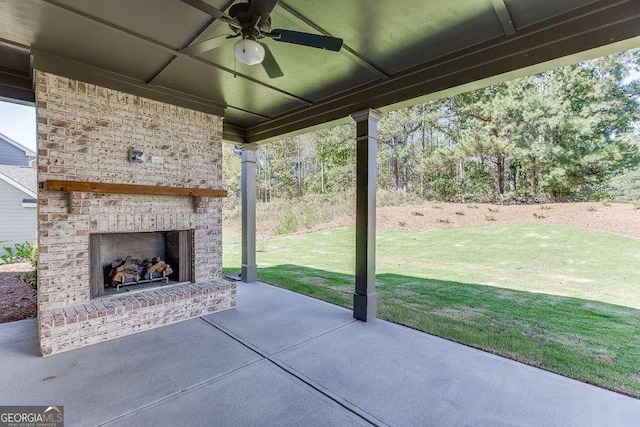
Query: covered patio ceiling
(396, 52)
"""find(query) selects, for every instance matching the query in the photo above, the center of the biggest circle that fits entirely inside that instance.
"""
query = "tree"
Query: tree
(336, 151)
(560, 135)
(395, 134)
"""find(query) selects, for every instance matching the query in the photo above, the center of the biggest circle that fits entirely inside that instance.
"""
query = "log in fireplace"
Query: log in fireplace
(132, 271)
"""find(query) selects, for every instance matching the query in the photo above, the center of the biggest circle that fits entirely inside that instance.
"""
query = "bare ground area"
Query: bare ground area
(618, 218)
(17, 300)
(615, 218)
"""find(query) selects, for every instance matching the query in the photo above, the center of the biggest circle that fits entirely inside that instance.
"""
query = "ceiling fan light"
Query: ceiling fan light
(249, 51)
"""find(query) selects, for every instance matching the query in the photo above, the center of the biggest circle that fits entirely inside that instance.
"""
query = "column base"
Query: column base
(365, 306)
(249, 273)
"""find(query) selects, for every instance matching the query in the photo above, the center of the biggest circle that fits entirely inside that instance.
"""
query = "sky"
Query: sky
(18, 122)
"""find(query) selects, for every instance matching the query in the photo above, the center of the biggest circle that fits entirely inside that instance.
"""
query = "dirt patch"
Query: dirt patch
(17, 300)
(618, 218)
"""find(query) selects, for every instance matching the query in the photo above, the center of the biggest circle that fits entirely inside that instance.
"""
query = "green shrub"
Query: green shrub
(21, 252)
(446, 190)
(396, 198)
(415, 213)
(288, 223)
(402, 223)
(443, 220)
(460, 213)
(30, 277)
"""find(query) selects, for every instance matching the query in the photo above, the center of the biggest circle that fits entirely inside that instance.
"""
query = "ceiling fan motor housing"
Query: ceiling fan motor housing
(240, 11)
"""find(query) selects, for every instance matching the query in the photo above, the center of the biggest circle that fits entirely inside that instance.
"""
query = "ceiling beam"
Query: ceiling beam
(234, 133)
(12, 94)
(154, 78)
(261, 116)
(49, 63)
(16, 85)
(206, 8)
(15, 78)
(553, 42)
(350, 52)
(504, 17)
(14, 45)
(210, 27)
(168, 49)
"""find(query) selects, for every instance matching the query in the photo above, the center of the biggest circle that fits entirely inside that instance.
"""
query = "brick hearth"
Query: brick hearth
(85, 133)
(106, 318)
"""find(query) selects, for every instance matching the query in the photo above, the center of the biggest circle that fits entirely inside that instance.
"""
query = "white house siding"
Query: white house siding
(17, 224)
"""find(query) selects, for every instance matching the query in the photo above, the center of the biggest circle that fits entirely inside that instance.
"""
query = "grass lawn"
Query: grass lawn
(559, 297)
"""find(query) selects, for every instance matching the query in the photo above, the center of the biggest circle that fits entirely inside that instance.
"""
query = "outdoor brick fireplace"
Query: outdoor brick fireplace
(85, 135)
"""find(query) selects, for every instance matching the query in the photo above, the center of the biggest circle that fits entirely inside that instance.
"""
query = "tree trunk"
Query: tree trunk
(395, 173)
(267, 178)
(299, 174)
(534, 178)
(500, 174)
(406, 174)
(512, 176)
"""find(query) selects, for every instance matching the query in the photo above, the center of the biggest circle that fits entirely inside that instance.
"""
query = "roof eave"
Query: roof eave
(19, 186)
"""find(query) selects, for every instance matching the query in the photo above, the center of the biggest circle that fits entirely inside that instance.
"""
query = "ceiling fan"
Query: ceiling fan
(250, 22)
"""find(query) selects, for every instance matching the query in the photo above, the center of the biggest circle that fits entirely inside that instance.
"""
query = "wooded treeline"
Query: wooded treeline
(561, 135)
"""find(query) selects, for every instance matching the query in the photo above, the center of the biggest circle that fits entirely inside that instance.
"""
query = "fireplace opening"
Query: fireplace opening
(125, 262)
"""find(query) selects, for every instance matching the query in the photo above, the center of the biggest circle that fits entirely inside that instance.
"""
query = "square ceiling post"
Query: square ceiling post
(365, 298)
(249, 272)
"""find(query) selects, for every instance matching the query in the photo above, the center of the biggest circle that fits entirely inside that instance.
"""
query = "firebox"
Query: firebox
(125, 262)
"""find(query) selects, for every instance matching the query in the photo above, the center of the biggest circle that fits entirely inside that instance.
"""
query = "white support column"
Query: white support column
(249, 266)
(365, 297)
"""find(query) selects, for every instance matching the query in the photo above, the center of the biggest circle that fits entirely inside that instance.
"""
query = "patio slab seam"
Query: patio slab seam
(184, 390)
(346, 404)
(264, 353)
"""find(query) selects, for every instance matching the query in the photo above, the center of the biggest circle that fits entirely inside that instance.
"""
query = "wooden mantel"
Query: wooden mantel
(71, 187)
(150, 190)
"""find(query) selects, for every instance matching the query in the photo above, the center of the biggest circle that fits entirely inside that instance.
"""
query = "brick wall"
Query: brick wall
(85, 133)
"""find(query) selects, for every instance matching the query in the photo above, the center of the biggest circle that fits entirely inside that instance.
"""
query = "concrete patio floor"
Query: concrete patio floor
(281, 358)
